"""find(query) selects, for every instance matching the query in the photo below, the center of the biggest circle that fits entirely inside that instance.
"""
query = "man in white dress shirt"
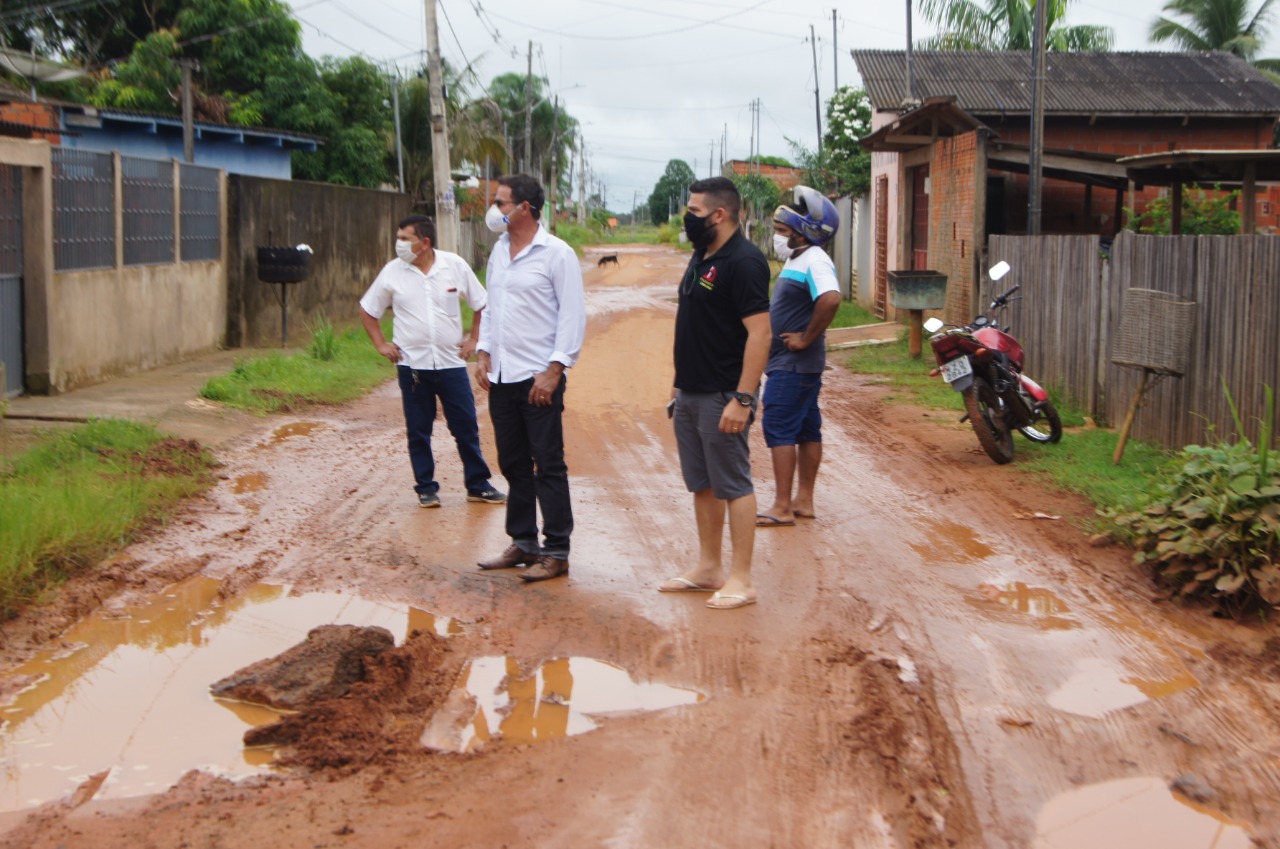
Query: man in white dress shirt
(422, 286)
(533, 333)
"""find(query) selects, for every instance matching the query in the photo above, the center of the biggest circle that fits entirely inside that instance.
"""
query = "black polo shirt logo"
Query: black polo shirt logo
(708, 280)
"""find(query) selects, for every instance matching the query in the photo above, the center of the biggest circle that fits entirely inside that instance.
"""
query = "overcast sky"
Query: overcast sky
(655, 80)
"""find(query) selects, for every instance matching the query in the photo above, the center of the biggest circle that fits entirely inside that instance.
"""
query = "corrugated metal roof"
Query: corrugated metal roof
(986, 83)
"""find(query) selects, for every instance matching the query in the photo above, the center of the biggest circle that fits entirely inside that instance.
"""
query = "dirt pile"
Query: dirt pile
(323, 666)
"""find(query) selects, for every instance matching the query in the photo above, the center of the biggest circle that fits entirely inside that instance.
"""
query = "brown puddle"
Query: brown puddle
(1096, 688)
(131, 694)
(289, 431)
(1041, 607)
(1133, 812)
(561, 698)
(948, 542)
(250, 482)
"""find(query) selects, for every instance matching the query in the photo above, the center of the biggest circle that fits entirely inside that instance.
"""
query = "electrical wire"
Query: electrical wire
(698, 25)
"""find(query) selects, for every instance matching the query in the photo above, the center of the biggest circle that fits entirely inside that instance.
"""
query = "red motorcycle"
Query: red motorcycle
(984, 363)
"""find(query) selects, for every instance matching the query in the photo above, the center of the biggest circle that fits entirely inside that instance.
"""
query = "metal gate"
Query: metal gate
(11, 279)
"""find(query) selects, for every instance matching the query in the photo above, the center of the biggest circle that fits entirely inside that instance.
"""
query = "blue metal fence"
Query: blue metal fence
(146, 195)
(84, 231)
(199, 212)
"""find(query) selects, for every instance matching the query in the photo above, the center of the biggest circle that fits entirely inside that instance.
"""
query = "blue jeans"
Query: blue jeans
(418, 392)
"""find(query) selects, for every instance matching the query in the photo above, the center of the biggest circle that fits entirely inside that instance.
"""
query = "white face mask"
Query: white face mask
(405, 251)
(495, 220)
(780, 246)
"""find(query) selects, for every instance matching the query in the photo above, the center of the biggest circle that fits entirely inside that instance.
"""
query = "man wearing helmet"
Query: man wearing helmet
(805, 300)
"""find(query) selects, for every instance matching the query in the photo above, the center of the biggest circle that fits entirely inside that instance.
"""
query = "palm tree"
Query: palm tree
(1007, 25)
(1218, 25)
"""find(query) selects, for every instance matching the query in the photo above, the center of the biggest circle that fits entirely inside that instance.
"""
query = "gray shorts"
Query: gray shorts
(710, 459)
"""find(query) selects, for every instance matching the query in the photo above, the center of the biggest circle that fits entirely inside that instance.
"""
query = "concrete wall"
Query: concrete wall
(127, 319)
(352, 232)
(81, 327)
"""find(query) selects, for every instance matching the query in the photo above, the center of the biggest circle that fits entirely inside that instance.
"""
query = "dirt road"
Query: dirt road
(928, 666)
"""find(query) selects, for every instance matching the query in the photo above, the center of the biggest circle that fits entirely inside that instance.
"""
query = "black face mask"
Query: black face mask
(698, 230)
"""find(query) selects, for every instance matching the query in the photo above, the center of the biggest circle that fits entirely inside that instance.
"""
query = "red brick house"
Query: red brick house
(784, 177)
(949, 165)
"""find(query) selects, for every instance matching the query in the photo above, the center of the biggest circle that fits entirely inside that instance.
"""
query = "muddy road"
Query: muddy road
(929, 665)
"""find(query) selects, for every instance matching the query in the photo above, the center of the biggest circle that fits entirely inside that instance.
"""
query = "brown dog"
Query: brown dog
(608, 258)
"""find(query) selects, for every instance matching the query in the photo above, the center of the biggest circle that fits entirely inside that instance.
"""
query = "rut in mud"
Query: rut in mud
(923, 668)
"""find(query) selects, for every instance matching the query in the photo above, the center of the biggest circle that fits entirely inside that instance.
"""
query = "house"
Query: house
(254, 151)
(783, 176)
(951, 146)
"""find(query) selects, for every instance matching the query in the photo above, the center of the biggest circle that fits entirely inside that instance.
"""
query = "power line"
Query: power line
(698, 25)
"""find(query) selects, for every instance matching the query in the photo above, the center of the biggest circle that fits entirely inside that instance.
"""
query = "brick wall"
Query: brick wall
(1063, 203)
(33, 115)
(952, 201)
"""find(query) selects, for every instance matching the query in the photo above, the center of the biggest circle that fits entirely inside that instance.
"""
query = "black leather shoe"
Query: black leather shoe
(514, 556)
(545, 569)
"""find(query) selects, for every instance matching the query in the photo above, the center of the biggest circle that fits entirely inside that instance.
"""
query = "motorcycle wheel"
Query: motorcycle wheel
(981, 403)
(1045, 425)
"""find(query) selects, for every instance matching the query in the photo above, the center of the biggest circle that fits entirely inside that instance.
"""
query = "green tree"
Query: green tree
(848, 122)
(760, 195)
(1203, 214)
(143, 81)
(668, 194)
(551, 126)
(1218, 25)
(1006, 25)
(87, 34)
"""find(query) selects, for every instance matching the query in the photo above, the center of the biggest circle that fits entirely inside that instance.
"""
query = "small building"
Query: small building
(950, 147)
(784, 177)
(254, 151)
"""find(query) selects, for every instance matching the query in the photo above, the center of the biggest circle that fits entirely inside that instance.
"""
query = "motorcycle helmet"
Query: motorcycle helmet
(810, 214)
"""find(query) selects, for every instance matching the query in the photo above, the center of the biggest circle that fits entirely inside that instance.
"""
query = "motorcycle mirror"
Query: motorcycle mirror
(1000, 269)
(933, 325)
(980, 321)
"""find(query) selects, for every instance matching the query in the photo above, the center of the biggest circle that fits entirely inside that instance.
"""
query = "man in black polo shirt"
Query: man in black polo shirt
(721, 345)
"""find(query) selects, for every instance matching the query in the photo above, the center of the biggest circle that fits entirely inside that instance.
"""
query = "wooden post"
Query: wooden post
(1175, 217)
(915, 327)
(1128, 419)
(1249, 199)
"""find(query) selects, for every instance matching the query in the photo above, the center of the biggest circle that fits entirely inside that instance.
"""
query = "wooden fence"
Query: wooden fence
(1072, 304)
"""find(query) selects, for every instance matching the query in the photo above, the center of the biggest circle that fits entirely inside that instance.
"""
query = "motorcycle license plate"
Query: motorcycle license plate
(955, 369)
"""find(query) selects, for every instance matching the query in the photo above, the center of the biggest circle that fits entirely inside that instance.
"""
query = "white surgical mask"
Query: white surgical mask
(780, 246)
(404, 250)
(495, 220)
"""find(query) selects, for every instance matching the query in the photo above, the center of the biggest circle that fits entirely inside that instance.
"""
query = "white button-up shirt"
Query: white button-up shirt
(427, 318)
(537, 313)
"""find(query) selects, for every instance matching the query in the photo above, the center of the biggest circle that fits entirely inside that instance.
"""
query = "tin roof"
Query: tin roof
(986, 83)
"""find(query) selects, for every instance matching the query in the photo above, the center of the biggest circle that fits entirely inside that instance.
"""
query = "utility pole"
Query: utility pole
(635, 195)
(188, 112)
(817, 103)
(446, 223)
(528, 114)
(911, 83)
(554, 188)
(835, 55)
(395, 106)
(1035, 177)
(582, 179)
(711, 160)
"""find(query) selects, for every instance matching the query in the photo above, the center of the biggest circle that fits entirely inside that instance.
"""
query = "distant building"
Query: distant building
(784, 177)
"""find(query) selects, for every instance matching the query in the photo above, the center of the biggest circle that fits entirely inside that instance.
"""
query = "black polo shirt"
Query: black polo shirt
(716, 294)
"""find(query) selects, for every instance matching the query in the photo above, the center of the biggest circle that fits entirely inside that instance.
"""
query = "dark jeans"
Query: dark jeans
(531, 457)
(418, 391)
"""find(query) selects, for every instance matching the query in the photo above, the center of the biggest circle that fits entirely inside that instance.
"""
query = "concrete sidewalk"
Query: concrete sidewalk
(866, 334)
(167, 398)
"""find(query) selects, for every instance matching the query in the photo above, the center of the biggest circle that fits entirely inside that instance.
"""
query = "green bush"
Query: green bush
(1212, 528)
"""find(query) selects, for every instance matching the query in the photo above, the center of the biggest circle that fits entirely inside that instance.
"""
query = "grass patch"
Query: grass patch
(81, 494)
(851, 314)
(1080, 463)
(278, 382)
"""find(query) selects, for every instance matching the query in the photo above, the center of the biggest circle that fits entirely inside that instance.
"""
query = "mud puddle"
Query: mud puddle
(1133, 812)
(128, 692)
(562, 697)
